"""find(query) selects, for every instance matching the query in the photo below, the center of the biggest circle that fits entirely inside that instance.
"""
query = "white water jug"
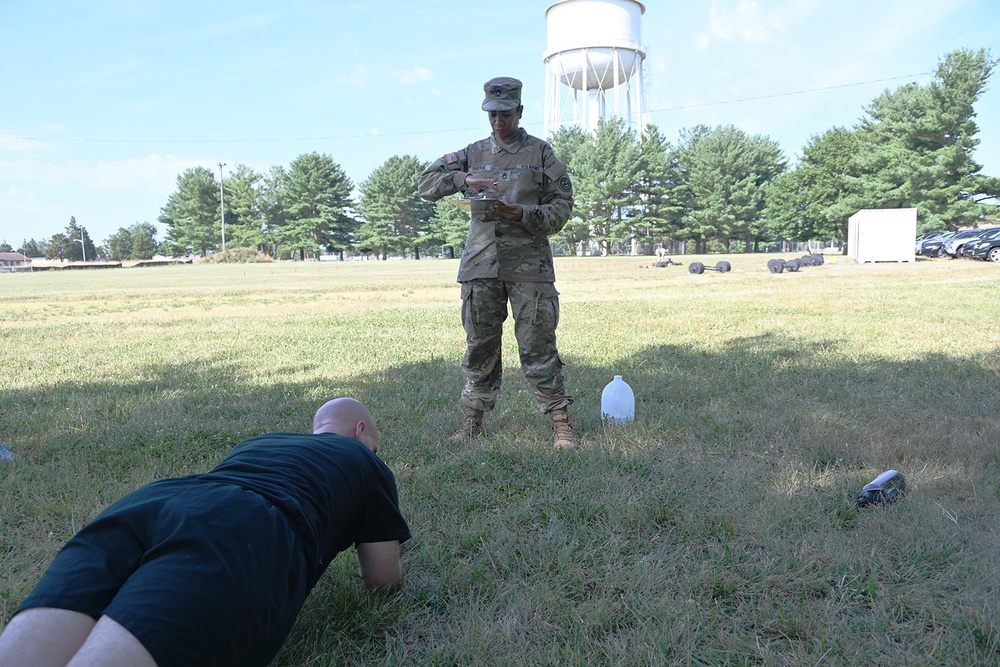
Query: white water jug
(617, 402)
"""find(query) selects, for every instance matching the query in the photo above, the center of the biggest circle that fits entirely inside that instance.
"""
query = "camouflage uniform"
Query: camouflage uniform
(508, 260)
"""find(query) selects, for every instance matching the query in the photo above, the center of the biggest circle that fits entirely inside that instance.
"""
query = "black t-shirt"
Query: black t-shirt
(333, 490)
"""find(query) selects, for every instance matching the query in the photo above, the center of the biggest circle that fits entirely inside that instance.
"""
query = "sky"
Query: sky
(104, 103)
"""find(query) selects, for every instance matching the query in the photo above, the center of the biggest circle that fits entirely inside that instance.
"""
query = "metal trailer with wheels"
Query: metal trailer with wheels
(699, 268)
(793, 265)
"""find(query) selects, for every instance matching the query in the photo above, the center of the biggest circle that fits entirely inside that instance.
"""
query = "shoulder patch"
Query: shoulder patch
(450, 158)
(565, 183)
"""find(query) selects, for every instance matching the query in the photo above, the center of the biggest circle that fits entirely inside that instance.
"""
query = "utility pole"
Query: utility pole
(222, 200)
(83, 246)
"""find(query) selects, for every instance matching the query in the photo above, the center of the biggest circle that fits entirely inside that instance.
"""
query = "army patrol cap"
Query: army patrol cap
(502, 94)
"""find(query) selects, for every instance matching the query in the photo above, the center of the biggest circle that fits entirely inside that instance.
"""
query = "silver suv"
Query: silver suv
(953, 246)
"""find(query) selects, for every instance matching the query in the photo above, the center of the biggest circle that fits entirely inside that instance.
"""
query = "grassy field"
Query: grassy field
(718, 529)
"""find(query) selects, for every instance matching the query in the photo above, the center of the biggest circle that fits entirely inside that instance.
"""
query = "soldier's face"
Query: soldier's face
(505, 123)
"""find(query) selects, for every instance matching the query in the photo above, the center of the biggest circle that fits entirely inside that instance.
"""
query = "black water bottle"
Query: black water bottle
(882, 490)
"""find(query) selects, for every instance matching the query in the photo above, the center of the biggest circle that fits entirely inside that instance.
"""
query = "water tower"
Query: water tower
(594, 63)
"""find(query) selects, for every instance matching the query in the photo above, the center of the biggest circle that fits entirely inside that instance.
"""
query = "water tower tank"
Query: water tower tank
(595, 50)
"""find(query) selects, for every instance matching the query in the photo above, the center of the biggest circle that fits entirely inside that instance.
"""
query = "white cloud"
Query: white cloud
(747, 21)
(17, 201)
(40, 195)
(12, 143)
(418, 143)
(896, 30)
(235, 26)
(415, 74)
(356, 77)
(156, 174)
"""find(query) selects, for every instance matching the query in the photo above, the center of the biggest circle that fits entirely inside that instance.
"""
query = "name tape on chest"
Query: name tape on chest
(523, 167)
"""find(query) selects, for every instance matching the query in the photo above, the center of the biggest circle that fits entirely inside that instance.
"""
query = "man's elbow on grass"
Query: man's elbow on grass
(381, 565)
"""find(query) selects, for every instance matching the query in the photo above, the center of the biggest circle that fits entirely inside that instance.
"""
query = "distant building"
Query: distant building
(14, 261)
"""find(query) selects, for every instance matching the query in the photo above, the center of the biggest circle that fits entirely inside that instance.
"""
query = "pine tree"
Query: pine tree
(449, 225)
(192, 214)
(244, 218)
(395, 217)
(316, 199)
(659, 188)
(918, 142)
(816, 199)
(567, 143)
(728, 173)
(605, 176)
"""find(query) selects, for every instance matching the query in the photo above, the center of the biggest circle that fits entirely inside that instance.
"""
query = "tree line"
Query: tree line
(75, 245)
(724, 190)
(718, 189)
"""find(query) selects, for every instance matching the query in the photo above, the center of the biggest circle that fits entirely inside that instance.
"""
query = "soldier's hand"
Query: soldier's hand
(508, 210)
(480, 183)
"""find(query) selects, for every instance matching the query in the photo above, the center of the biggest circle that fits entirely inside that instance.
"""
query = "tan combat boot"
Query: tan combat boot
(471, 427)
(563, 436)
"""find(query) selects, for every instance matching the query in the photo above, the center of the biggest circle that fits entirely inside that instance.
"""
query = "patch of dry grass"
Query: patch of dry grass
(716, 529)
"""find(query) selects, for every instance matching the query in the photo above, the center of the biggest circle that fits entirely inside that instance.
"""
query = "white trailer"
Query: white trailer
(882, 235)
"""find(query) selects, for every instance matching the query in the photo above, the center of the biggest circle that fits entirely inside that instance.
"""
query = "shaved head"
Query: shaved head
(347, 417)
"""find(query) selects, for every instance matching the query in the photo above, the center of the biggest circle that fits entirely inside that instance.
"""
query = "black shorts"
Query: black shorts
(202, 573)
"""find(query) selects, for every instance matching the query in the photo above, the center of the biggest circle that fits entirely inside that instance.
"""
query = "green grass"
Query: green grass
(717, 529)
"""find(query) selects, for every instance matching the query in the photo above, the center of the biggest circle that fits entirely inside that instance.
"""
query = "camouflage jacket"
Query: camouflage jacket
(528, 173)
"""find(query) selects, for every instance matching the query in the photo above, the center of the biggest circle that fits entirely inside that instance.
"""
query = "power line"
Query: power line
(789, 94)
(989, 129)
(683, 107)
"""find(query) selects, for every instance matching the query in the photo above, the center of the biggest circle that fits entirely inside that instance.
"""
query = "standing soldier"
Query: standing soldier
(507, 258)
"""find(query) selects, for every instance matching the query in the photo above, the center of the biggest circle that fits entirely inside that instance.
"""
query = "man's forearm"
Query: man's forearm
(381, 564)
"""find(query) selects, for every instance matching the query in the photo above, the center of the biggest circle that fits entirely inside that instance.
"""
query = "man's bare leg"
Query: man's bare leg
(43, 637)
(111, 645)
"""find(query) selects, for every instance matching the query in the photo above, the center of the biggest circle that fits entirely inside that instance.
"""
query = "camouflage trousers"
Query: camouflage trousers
(536, 315)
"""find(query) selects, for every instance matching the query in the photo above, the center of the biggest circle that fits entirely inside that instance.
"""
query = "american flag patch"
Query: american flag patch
(450, 158)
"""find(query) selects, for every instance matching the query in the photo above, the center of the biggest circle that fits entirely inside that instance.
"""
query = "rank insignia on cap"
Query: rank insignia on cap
(502, 94)
(450, 158)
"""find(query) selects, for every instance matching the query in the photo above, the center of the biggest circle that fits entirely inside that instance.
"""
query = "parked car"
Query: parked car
(932, 247)
(969, 247)
(953, 246)
(918, 244)
(988, 249)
